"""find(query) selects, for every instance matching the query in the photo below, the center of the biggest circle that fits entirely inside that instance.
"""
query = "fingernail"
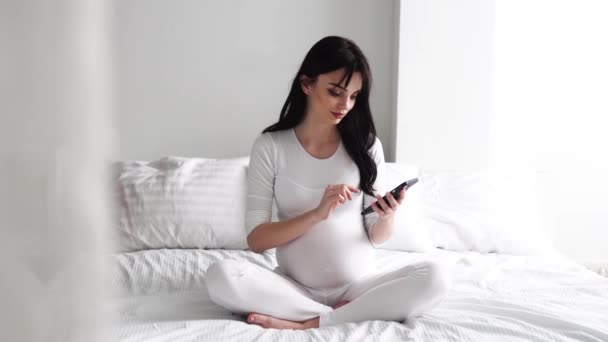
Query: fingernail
(252, 319)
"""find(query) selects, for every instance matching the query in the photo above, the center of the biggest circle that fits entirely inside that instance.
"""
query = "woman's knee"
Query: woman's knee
(220, 278)
(438, 278)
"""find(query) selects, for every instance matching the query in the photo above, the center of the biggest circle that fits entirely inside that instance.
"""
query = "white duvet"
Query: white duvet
(160, 295)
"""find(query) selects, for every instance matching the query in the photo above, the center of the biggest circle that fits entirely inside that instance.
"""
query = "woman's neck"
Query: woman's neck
(317, 135)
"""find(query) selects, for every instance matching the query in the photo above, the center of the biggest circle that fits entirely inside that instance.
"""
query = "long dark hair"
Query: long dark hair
(357, 129)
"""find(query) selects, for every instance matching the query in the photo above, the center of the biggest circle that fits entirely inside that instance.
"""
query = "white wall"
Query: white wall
(509, 83)
(444, 83)
(203, 78)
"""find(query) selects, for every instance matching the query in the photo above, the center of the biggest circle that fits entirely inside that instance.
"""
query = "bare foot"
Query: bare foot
(266, 321)
(342, 303)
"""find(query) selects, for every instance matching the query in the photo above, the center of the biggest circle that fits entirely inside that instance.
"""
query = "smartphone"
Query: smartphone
(395, 192)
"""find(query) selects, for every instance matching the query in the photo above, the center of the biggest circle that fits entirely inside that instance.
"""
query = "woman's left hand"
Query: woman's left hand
(386, 210)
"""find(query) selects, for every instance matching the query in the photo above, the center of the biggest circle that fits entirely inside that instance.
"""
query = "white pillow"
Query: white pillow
(178, 202)
(410, 233)
(487, 211)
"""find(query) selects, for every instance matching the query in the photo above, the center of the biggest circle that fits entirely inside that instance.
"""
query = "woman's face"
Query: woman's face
(328, 100)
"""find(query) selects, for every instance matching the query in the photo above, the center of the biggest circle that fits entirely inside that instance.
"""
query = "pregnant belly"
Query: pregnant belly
(332, 253)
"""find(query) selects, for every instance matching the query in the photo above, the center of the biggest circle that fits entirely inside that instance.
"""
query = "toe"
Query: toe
(261, 320)
(253, 318)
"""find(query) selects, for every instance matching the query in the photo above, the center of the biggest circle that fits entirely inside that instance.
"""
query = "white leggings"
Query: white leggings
(243, 287)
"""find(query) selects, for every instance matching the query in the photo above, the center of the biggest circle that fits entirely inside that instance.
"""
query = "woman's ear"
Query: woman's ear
(306, 84)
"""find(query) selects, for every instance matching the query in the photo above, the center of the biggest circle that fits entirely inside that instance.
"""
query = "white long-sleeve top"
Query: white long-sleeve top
(334, 252)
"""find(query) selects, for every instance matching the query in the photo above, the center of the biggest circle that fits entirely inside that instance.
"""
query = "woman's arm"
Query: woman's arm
(269, 235)
(273, 234)
(382, 230)
(262, 234)
(379, 230)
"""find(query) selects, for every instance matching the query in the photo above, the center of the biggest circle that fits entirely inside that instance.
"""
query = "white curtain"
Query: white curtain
(513, 84)
(55, 140)
(550, 112)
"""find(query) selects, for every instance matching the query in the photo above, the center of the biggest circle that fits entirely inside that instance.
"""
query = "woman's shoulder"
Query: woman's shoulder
(270, 140)
(274, 136)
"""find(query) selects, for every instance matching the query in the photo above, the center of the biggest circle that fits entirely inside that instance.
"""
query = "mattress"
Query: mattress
(160, 295)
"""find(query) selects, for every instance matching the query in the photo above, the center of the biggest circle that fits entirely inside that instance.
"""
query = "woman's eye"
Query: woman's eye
(333, 93)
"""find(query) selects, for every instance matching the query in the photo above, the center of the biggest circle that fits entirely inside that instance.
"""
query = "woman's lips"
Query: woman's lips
(338, 115)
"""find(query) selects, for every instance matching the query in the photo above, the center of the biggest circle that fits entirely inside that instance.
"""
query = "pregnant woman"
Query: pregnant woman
(322, 163)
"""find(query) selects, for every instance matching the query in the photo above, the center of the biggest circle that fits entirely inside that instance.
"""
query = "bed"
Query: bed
(160, 295)
(505, 287)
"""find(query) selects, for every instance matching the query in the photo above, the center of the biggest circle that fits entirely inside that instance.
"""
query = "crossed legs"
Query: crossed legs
(273, 300)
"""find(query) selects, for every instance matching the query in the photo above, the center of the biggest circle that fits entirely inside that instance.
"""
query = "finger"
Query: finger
(377, 209)
(387, 201)
(347, 192)
(353, 188)
(342, 198)
(343, 190)
(381, 203)
(392, 202)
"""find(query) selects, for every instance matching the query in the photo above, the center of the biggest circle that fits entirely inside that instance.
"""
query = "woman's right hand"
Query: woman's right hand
(334, 195)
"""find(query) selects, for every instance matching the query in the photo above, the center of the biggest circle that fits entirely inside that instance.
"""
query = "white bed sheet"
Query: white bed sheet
(161, 296)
